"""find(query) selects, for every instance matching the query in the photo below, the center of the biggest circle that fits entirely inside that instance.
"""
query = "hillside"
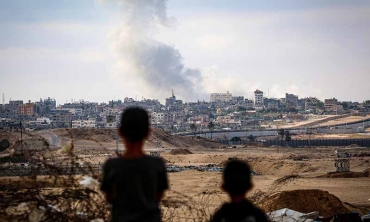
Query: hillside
(157, 139)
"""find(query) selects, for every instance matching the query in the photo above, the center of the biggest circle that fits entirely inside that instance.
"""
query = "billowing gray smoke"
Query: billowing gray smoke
(159, 65)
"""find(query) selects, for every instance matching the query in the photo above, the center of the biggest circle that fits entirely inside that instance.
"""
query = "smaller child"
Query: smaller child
(237, 182)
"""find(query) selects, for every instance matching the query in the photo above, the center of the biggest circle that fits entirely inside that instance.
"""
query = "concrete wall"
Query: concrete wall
(341, 130)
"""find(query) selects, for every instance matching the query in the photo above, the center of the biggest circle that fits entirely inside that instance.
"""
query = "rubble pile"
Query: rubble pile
(203, 168)
(180, 151)
(345, 175)
(305, 201)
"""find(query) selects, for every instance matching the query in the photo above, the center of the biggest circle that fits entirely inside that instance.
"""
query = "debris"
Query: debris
(36, 215)
(206, 168)
(67, 148)
(203, 168)
(305, 201)
(97, 220)
(89, 182)
(291, 215)
(22, 206)
(180, 151)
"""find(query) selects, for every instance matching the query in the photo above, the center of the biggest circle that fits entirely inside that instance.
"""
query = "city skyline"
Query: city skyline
(185, 100)
(73, 49)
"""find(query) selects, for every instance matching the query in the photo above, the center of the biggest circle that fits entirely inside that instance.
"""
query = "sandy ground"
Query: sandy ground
(348, 120)
(312, 120)
(272, 163)
(334, 136)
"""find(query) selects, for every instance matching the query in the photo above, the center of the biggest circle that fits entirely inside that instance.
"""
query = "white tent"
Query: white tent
(288, 215)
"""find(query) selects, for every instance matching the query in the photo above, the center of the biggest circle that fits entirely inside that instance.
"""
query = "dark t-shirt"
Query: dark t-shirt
(243, 211)
(134, 185)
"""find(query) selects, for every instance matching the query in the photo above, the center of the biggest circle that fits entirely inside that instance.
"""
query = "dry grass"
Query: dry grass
(58, 197)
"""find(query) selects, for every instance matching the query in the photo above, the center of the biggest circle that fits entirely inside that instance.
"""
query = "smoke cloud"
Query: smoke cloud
(157, 65)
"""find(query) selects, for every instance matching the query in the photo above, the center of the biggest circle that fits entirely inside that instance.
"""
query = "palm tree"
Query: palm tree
(211, 126)
(251, 138)
(193, 129)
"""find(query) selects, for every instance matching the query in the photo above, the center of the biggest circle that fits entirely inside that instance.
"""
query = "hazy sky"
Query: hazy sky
(81, 49)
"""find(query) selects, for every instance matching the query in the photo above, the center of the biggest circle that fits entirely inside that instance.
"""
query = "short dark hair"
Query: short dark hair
(134, 124)
(237, 177)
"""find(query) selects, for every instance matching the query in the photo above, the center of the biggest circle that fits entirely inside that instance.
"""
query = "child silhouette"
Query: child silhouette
(134, 183)
(237, 182)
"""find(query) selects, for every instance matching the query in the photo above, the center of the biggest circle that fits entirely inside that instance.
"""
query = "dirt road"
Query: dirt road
(53, 139)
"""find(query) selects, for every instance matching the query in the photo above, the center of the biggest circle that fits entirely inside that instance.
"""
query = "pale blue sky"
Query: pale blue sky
(64, 49)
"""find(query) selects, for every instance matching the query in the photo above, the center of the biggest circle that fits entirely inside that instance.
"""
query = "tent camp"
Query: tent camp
(288, 215)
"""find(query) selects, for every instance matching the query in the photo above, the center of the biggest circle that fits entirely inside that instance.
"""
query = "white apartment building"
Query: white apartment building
(224, 119)
(160, 117)
(91, 123)
(221, 97)
(40, 122)
(258, 99)
(199, 119)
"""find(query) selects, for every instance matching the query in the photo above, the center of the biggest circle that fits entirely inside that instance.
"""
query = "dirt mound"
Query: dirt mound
(304, 201)
(286, 179)
(345, 174)
(166, 161)
(99, 135)
(5, 135)
(367, 171)
(223, 163)
(160, 138)
(298, 157)
(180, 152)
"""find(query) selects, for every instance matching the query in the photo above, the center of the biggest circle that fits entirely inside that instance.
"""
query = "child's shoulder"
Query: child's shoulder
(156, 160)
(244, 209)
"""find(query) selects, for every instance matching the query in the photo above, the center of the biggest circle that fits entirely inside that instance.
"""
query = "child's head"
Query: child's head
(134, 125)
(237, 178)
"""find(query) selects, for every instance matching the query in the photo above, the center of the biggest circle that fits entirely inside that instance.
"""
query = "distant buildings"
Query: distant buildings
(291, 100)
(91, 123)
(172, 104)
(258, 100)
(248, 103)
(43, 107)
(311, 103)
(27, 109)
(332, 105)
(40, 123)
(223, 109)
(221, 97)
(62, 119)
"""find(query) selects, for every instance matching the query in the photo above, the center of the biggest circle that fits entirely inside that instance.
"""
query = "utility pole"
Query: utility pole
(363, 123)
(20, 125)
(117, 141)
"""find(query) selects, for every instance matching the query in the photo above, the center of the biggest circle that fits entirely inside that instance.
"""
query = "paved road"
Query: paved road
(50, 136)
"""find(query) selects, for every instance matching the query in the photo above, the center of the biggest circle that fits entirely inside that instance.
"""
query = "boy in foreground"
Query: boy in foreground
(134, 183)
(237, 182)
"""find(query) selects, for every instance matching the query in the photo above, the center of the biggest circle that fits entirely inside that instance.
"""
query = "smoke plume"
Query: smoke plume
(158, 66)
